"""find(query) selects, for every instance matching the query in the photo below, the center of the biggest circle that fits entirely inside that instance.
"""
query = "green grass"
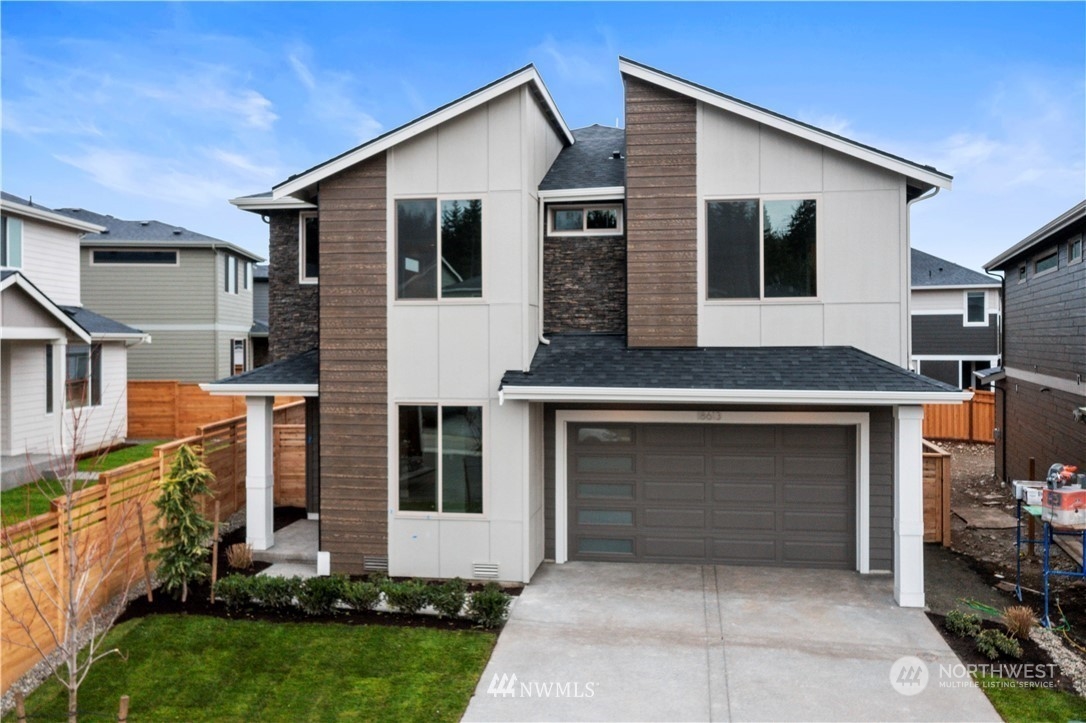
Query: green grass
(32, 499)
(197, 668)
(119, 458)
(1015, 703)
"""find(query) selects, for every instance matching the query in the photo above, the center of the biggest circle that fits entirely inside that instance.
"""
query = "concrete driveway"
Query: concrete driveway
(608, 641)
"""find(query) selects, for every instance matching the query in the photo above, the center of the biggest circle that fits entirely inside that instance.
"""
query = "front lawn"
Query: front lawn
(32, 499)
(118, 458)
(1016, 703)
(197, 668)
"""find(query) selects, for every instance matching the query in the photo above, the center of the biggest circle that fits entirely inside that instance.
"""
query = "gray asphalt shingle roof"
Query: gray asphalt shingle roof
(298, 369)
(604, 361)
(589, 162)
(96, 323)
(928, 270)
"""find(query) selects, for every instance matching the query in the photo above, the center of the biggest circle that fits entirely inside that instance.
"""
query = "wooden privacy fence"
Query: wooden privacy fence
(972, 421)
(108, 515)
(168, 409)
(936, 494)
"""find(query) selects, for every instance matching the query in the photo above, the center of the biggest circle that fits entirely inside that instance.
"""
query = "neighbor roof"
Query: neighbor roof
(590, 161)
(598, 367)
(20, 206)
(1074, 215)
(926, 176)
(527, 74)
(932, 271)
(298, 375)
(120, 232)
(11, 278)
(98, 325)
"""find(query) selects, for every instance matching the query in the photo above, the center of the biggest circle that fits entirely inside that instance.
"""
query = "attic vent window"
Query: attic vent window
(133, 257)
(177, 232)
(616, 155)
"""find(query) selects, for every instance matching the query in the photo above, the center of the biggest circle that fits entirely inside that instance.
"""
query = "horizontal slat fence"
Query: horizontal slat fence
(169, 409)
(108, 513)
(972, 421)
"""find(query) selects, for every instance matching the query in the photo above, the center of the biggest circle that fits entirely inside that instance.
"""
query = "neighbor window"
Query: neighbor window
(1021, 274)
(237, 356)
(247, 274)
(309, 248)
(148, 257)
(1046, 262)
(587, 220)
(439, 249)
(441, 459)
(1074, 249)
(11, 242)
(48, 378)
(975, 313)
(761, 249)
(231, 274)
(84, 375)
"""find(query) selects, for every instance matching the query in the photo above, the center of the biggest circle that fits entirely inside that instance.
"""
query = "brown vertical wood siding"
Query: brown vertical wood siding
(661, 217)
(354, 366)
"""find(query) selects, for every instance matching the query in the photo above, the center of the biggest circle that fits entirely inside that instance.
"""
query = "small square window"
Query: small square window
(1074, 249)
(1021, 274)
(569, 220)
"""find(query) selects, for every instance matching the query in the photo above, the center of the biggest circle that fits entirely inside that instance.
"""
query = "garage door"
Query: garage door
(713, 493)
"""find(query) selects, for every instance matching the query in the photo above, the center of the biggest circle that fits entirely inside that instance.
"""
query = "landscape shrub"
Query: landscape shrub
(964, 625)
(1019, 620)
(239, 556)
(276, 593)
(319, 595)
(489, 606)
(992, 643)
(235, 591)
(449, 597)
(408, 596)
(361, 595)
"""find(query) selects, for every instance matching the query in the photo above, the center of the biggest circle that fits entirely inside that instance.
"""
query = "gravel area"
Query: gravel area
(1072, 665)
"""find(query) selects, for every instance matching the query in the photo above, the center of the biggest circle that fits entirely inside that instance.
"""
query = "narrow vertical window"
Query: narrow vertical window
(48, 378)
(418, 458)
(96, 375)
(462, 249)
(975, 313)
(1074, 249)
(732, 254)
(11, 242)
(238, 360)
(788, 236)
(461, 459)
(309, 248)
(416, 249)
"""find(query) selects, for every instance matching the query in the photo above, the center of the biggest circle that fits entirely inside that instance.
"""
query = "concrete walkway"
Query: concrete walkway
(294, 552)
(691, 643)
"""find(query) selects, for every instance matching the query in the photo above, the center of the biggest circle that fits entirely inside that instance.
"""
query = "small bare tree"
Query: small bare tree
(69, 587)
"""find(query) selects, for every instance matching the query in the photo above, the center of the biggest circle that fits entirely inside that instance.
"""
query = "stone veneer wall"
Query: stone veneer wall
(293, 308)
(584, 284)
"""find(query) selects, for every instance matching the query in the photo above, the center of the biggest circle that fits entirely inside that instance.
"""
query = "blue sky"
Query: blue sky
(166, 110)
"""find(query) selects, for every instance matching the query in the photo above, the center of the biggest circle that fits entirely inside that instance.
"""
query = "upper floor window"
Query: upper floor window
(1047, 262)
(308, 248)
(441, 458)
(231, 274)
(975, 311)
(134, 257)
(11, 242)
(84, 375)
(439, 248)
(585, 220)
(1074, 249)
(759, 249)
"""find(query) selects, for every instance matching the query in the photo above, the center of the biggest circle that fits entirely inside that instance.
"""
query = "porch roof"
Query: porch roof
(296, 375)
(601, 367)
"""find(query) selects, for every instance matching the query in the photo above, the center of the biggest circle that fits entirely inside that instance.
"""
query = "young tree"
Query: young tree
(183, 556)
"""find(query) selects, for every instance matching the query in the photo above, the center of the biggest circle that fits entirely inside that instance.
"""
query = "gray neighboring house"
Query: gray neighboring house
(1041, 388)
(259, 334)
(193, 293)
(955, 320)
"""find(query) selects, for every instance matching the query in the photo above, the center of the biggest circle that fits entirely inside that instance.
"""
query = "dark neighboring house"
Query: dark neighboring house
(955, 320)
(1041, 388)
(258, 337)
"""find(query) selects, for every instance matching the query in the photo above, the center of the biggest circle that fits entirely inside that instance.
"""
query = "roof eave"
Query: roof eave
(431, 120)
(261, 390)
(924, 176)
(286, 203)
(600, 193)
(994, 284)
(726, 396)
(1054, 226)
(50, 217)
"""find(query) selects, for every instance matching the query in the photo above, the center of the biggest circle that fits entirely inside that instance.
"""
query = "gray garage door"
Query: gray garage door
(713, 493)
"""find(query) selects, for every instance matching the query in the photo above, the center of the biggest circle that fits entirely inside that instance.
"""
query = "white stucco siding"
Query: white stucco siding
(51, 260)
(29, 429)
(102, 425)
(861, 246)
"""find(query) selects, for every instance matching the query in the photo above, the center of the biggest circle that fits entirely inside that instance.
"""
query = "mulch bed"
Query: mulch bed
(199, 597)
(1019, 669)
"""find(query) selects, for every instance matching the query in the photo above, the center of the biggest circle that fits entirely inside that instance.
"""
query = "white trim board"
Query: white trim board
(860, 420)
(726, 396)
(262, 390)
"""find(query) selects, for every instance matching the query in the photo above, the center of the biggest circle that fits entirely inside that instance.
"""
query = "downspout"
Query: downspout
(542, 226)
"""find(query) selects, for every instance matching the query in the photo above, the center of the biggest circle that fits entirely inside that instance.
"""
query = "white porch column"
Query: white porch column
(259, 480)
(909, 506)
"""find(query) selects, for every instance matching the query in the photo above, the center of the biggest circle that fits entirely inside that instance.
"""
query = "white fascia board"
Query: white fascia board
(1056, 225)
(474, 100)
(261, 390)
(267, 203)
(994, 285)
(46, 303)
(785, 125)
(605, 193)
(50, 217)
(727, 396)
(128, 339)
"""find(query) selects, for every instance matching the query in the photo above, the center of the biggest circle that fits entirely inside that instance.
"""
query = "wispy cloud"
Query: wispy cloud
(331, 97)
(580, 63)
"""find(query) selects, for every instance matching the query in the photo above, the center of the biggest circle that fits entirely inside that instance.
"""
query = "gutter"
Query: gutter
(909, 271)
(542, 240)
(726, 396)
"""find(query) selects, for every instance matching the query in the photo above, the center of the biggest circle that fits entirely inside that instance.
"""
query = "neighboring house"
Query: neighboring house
(258, 336)
(680, 343)
(63, 368)
(191, 292)
(1041, 388)
(955, 320)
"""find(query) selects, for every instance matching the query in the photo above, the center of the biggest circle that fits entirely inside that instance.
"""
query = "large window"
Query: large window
(761, 249)
(975, 313)
(439, 249)
(441, 459)
(309, 248)
(11, 242)
(134, 257)
(84, 375)
(586, 220)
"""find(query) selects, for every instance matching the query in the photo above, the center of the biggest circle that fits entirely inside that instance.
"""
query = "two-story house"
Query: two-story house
(684, 342)
(955, 320)
(191, 292)
(63, 367)
(1041, 387)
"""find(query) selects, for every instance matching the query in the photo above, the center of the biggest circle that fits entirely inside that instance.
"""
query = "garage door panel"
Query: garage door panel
(744, 467)
(677, 519)
(672, 435)
(743, 436)
(675, 548)
(811, 467)
(604, 547)
(689, 491)
(811, 553)
(824, 495)
(749, 521)
(605, 490)
(816, 522)
(753, 494)
(744, 551)
(677, 465)
(609, 464)
(610, 518)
